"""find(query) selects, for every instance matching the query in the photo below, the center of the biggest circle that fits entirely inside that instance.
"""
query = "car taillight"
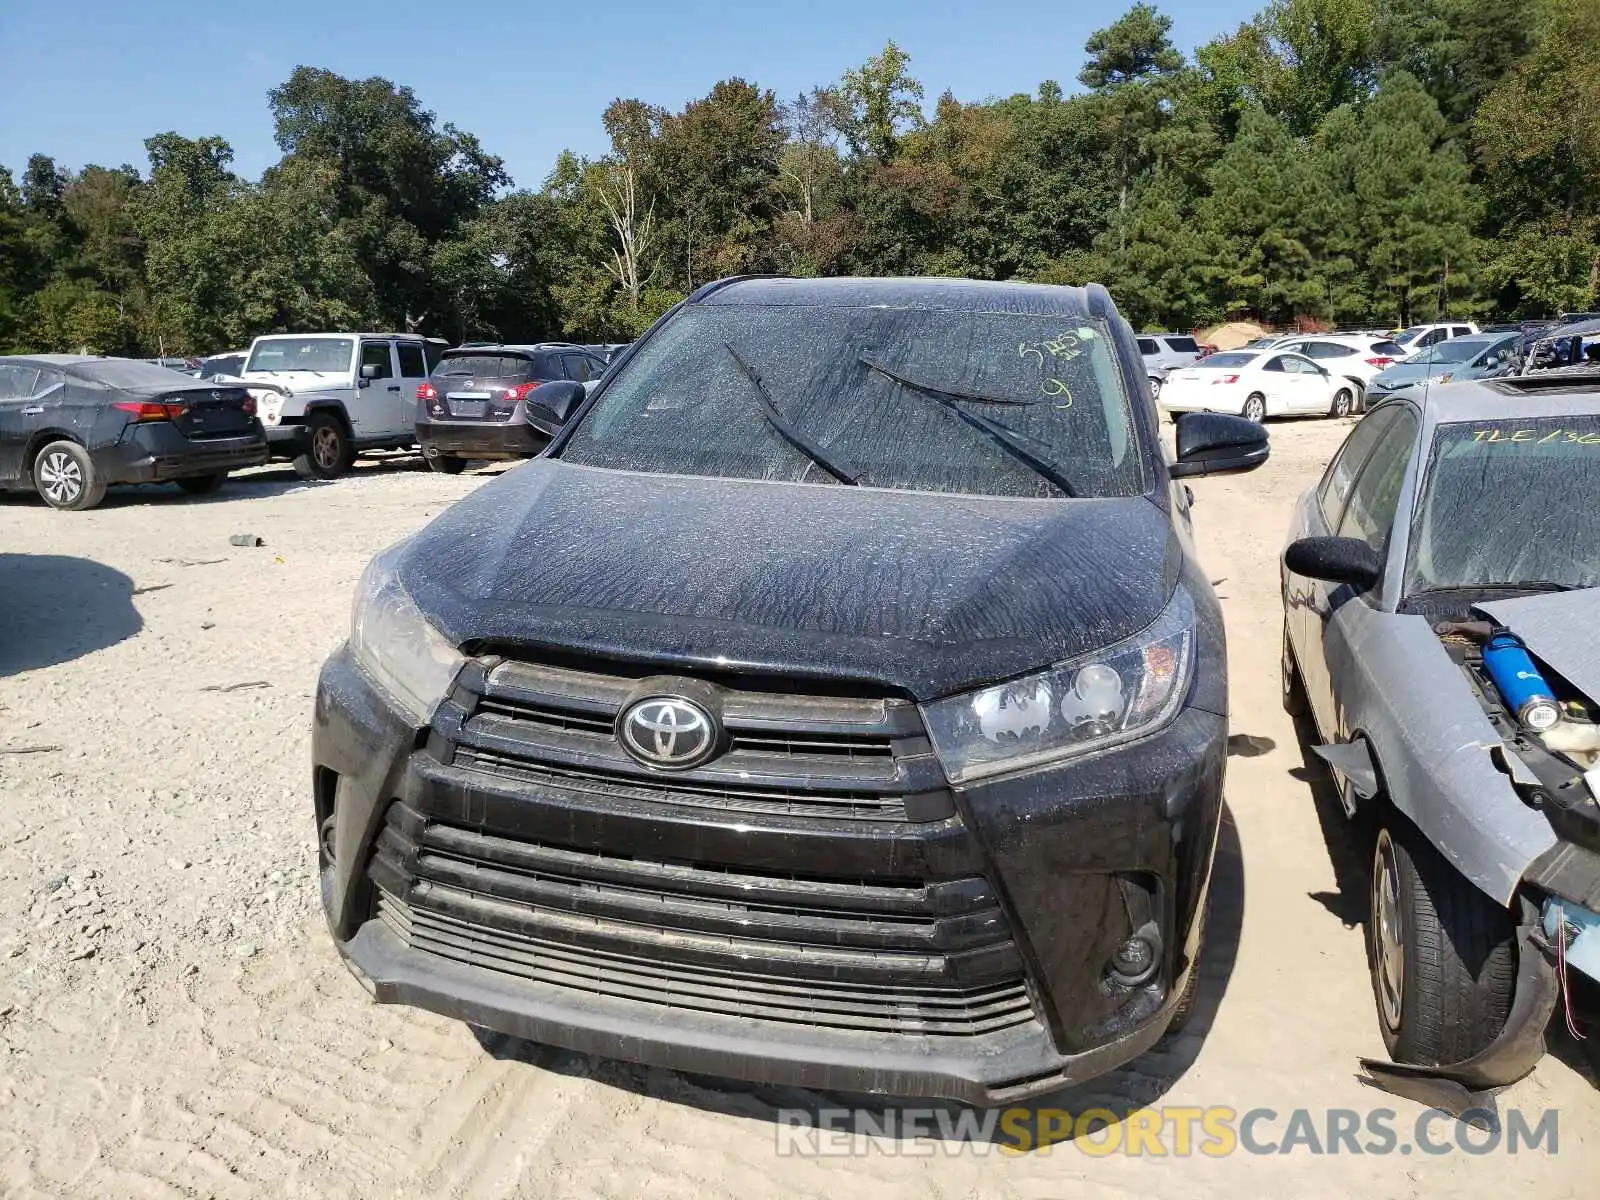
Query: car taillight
(1380, 361)
(249, 405)
(1225, 379)
(522, 390)
(149, 410)
(426, 391)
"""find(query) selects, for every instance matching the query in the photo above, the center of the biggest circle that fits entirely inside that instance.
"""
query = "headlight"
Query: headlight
(1079, 707)
(394, 643)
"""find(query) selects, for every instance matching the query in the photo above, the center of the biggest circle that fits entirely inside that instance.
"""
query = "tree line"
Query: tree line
(1346, 161)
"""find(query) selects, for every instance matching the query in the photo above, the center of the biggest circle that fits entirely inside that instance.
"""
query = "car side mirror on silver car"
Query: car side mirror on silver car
(550, 404)
(1217, 444)
(1335, 560)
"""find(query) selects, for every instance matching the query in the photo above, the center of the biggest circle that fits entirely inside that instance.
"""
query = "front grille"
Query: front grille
(883, 954)
(796, 755)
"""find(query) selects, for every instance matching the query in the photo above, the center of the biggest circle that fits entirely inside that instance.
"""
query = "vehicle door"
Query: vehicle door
(1277, 384)
(413, 364)
(1367, 514)
(377, 391)
(1314, 384)
(1492, 360)
(20, 416)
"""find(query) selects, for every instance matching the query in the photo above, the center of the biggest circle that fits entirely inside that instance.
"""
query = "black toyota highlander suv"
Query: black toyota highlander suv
(837, 702)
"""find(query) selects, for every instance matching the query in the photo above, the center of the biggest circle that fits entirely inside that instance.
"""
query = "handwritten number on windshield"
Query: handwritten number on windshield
(1064, 348)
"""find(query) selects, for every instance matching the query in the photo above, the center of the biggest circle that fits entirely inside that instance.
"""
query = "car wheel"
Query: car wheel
(329, 453)
(202, 485)
(1344, 402)
(1155, 387)
(445, 465)
(66, 478)
(1442, 954)
(1294, 687)
(1255, 408)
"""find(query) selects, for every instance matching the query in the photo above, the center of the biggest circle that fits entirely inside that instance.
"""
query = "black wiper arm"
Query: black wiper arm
(787, 431)
(1019, 445)
(929, 389)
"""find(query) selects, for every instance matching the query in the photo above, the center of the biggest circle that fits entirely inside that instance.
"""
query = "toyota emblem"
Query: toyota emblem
(668, 732)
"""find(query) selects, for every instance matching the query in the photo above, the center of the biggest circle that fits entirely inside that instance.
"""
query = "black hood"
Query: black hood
(919, 593)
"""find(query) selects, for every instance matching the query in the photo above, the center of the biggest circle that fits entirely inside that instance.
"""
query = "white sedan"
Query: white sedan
(1258, 384)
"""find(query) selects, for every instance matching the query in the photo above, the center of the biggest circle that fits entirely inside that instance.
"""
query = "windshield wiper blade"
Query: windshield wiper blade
(1019, 445)
(974, 397)
(787, 431)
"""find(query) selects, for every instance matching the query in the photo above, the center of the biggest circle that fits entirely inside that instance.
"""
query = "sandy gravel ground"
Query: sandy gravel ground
(174, 1021)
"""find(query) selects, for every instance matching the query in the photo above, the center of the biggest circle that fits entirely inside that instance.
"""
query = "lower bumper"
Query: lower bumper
(150, 457)
(482, 441)
(1057, 841)
(1004, 1070)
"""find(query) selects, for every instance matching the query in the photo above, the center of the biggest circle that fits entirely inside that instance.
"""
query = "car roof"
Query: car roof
(1545, 394)
(52, 360)
(404, 337)
(958, 295)
(522, 347)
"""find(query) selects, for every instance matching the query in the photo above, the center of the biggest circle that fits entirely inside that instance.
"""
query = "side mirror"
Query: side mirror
(550, 404)
(370, 371)
(1218, 443)
(1335, 560)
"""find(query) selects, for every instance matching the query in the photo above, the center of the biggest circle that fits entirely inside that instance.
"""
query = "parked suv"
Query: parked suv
(1164, 352)
(1357, 358)
(837, 702)
(325, 397)
(482, 402)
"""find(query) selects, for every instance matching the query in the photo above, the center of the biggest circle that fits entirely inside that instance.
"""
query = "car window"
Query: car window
(412, 364)
(1335, 487)
(1388, 349)
(1459, 331)
(1274, 364)
(300, 354)
(16, 383)
(1148, 346)
(1183, 345)
(376, 354)
(1370, 513)
(1329, 350)
(433, 352)
(577, 367)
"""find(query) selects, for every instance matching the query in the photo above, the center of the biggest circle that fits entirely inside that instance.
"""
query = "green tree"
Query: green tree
(877, 102)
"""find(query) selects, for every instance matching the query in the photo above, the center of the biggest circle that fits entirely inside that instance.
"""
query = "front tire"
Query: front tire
(202, 485)
(1255, 408)
(1442, 954)
(445, 465)
(1155, 388)
(329, 452)
(66, 479)
(1344, 403)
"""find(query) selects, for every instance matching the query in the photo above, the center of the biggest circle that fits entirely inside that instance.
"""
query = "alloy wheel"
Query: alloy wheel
(1255, 408)
(61, 478)
(325, 447)
(1388, 942)
(1341, 403)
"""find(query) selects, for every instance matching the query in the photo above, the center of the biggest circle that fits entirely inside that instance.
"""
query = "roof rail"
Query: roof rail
(706, 289)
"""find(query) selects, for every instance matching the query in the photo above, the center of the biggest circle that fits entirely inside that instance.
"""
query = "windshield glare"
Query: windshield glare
(1228, 359)
(683, 405)
(301, 354)
(1507, 502)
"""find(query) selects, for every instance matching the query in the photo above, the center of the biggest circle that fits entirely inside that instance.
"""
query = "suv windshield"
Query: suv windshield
(301, 354)
(1503, 504)
(912, 398)
(1454, 351)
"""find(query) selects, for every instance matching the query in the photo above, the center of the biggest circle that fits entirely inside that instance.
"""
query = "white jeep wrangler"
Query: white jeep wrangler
(325, 397)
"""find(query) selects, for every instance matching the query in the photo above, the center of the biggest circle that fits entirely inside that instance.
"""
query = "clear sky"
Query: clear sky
(89, 80)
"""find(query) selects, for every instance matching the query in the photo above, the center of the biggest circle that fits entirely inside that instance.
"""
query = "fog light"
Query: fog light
(1134, 961)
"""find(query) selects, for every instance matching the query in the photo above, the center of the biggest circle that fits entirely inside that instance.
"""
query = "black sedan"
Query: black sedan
(71, 425)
